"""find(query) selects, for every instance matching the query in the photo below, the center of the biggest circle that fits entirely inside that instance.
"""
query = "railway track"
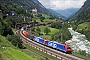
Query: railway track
(35, 46)
(52, 52)
(36, 53)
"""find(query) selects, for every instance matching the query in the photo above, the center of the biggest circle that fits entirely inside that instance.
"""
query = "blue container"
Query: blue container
(41, 41)
(35, 38)
(54, 44)
(50, 43)
(13, 13)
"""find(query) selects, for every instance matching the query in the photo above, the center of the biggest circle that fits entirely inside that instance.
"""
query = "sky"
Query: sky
(62, 4)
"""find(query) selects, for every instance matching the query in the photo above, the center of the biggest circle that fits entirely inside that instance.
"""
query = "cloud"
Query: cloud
(62, 4)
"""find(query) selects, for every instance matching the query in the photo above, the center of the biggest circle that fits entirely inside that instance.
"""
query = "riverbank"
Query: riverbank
(79, 42)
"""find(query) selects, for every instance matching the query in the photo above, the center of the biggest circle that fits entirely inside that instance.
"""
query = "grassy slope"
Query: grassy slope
(83, 26)
(17, 55)
(45, 21)
(12, 52)
(44, 54)
(53, 31)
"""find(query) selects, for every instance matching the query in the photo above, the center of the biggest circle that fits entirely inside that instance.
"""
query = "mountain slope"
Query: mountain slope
(81, 20)
(29, 5)
(57, 14)
(83, 15)
(67, 12)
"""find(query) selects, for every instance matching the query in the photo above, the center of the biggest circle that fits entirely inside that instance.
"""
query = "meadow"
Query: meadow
(53, 31)
(8, 51)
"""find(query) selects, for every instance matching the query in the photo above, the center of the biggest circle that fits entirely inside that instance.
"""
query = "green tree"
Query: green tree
(61, 36)
(38, 30)
(20, 10)
(1, 25)
(46, 30)
(56, 25)
(42, 18)
(15, 40)
(1, 29)
(32, 29)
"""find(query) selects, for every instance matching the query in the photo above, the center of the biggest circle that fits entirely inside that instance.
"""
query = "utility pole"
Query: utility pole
(61, 37)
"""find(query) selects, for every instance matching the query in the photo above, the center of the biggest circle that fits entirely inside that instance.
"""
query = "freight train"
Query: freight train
(53, 44)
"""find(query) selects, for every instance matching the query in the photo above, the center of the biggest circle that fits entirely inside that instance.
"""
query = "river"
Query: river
(78, 41)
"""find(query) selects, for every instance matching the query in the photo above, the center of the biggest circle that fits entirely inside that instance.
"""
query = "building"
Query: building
(34, 11)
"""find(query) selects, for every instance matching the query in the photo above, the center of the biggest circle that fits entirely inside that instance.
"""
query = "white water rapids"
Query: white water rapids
(78, 41)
